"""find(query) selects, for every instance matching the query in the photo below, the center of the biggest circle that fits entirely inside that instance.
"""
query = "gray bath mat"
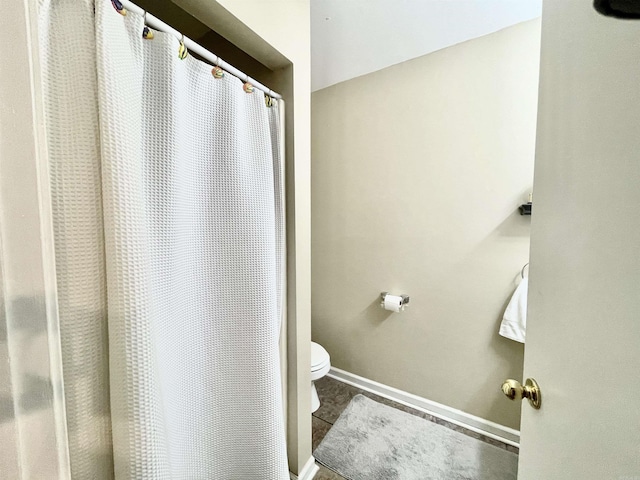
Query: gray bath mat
(371, 441)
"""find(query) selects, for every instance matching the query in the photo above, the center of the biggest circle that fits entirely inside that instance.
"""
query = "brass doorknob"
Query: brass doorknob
(531, 391)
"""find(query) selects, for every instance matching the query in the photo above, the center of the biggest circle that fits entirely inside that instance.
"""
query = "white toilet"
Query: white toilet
(320, 365)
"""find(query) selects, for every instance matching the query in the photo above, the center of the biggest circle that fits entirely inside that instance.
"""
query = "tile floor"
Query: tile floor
(334, 398)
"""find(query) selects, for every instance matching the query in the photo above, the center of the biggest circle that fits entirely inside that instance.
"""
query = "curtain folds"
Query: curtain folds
(169, 230)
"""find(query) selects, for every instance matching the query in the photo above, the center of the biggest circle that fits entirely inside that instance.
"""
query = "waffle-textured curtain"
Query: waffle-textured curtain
(168, 215)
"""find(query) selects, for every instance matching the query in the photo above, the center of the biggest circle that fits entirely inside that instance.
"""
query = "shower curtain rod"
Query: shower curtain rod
(156, 23)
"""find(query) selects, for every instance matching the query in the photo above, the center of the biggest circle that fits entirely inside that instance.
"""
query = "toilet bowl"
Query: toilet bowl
(320, 365)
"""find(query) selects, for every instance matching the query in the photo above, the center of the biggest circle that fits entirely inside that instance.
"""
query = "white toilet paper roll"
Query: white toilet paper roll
(393, 303)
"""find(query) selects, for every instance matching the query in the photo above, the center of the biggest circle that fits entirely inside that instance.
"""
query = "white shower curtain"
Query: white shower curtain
(168, 216)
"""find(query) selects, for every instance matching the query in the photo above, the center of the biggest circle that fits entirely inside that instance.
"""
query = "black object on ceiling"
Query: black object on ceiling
(627, 9)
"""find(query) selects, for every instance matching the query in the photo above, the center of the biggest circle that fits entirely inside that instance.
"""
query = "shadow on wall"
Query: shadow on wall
(507, 349)
(373, 314)
(514, 226)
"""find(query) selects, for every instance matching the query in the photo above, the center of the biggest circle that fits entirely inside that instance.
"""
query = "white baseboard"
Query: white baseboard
(308, 471)
(457, 417)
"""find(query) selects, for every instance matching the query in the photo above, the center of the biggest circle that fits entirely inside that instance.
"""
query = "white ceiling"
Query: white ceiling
(350, 38)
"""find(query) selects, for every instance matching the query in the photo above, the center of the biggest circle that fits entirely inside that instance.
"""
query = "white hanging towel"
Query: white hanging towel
(514, 322)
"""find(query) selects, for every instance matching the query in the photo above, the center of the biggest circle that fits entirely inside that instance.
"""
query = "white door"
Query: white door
(583, 332)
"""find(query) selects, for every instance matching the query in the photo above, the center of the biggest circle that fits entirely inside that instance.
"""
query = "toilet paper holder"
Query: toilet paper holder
(403, 303)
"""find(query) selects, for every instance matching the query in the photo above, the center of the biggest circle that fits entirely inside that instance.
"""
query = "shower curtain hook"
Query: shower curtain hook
(247, 87)
(522, 271)
(119, 7)
(147, 34)
(268, 99)
(216, 71)
(182, 50)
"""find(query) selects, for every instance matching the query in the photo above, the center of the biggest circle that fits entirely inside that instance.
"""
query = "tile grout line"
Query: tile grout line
(320, 418)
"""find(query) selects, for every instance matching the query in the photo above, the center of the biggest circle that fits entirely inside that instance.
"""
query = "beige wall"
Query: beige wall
(417, 173)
